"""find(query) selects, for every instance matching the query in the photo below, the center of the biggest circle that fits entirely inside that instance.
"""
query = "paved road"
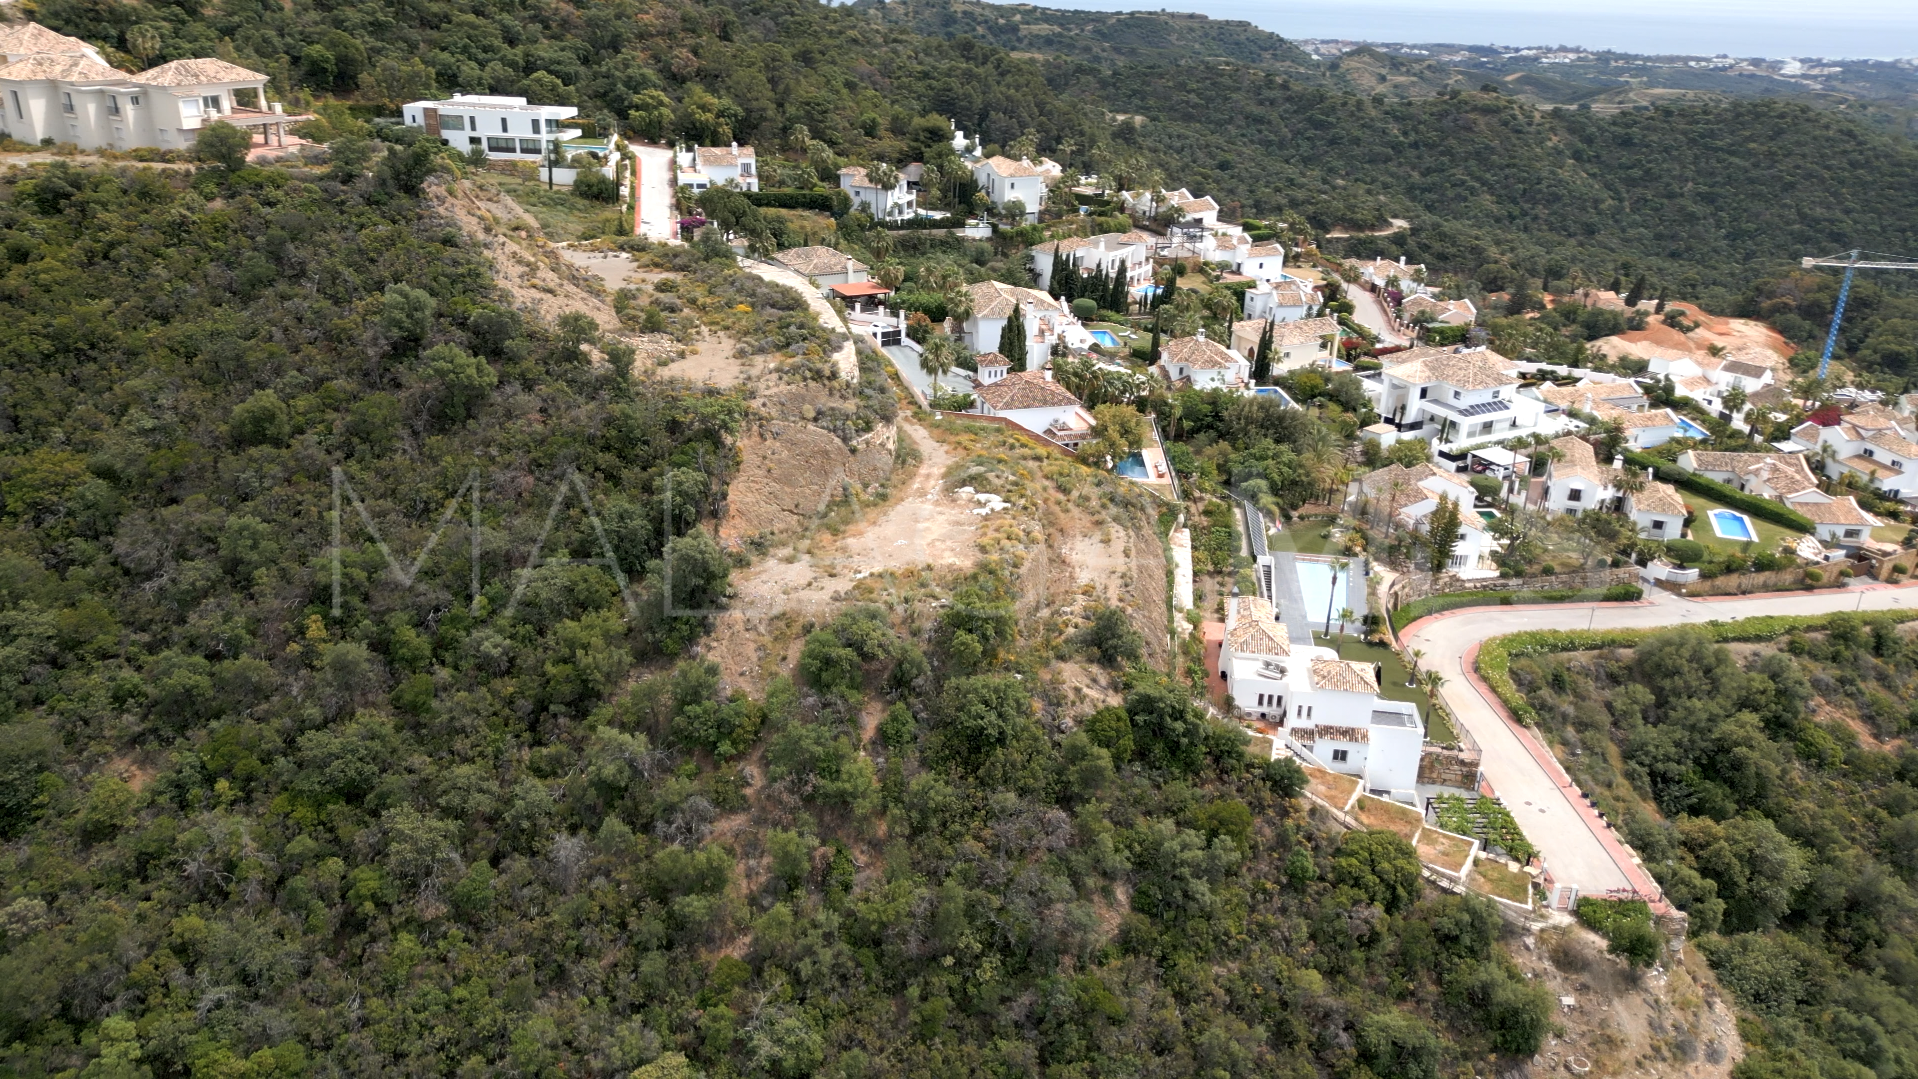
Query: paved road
(1368, 312)
(1540, 796)
(656, 174)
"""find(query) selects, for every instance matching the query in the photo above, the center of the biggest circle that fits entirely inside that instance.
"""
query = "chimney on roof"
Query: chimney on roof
(1618, 462)
(1202, 333)
(735, 147)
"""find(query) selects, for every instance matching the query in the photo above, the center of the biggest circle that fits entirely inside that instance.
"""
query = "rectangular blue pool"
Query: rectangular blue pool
(1105, 338)
(1732, 525)
(1688, 429)
(1133, 467)
(1315, 584)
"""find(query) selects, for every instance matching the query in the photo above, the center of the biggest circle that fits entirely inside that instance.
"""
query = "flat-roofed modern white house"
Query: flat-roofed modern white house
(506, 128)
(60, 88)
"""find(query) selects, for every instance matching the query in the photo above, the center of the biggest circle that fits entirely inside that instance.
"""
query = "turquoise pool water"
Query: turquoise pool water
(1105, 338)
(1489, 515)
(1133, 467)
(1732, 525)
(1315, 582)
(1688, 429)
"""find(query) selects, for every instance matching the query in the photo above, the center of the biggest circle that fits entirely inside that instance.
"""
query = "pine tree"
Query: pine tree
(1012, 339)
(1262, 359)
(1442, 533)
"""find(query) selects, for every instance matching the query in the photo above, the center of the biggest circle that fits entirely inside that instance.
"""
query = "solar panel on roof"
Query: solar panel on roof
(1484, 408)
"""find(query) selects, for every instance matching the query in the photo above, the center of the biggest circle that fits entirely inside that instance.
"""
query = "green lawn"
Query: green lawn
(1769, 535)
(1302, 537)
(1891, 533)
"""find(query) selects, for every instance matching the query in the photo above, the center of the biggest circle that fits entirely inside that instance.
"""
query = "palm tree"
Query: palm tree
(1339, 566)
(1735, 399)
(889, 274)
(1412, 667)
(1433, 680)
(958, 307)
(941, 355)
(1345, 615)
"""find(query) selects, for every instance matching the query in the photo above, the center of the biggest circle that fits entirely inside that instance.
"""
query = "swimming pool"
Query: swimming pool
(1274, 391)
(1133, 467)
(1105, 338)
(1488, 515)
(1688, 429)
(1732, 525)
(1147, 291)
(1315, 583)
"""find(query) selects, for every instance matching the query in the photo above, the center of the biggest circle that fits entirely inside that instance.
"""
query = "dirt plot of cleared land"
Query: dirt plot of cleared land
(1670, 1023)
(1384, 816)
(616, 268)
(1443, 850)
(924, 527)
(1334, 788)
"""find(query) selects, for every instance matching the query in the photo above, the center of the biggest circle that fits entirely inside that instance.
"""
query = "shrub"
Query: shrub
(1814, 576)
(1110, 638)
(1685, 551)
(1084, 308)
(595, 186)
(821, 201)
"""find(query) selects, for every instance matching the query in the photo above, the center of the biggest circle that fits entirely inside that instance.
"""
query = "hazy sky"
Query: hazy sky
(1862, 28)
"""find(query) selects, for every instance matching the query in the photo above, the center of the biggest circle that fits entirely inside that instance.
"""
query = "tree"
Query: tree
(1168, 727)
(1394, 1045)
(1381, 866)
(1117, 430)
(939, 356)
(652, 116)
(144, 42)
(595, 186)
(1735, 399)
(1442, 532)
(1012, 339)
(220, 143)
(1262, 357)
(1110, 638)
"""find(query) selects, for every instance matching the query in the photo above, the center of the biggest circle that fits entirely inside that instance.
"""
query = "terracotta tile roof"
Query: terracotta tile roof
(1839, 511)
(1891, 440)
(1482, 369)
(196, 73)
(1694, 384)
(722, 155)
(1303, 330)
(1395, 487)
(1659, 498)
(1265, 250)
(1005, 166)
(1025, 389)
(64, 68)
(1344, 676)
(1785, 473)
(1253, 630)
(1743, 369)
(817, 261)
(31, 38)
(1418, 352)
(1134, 236)
(1579, 460)
(1252, 606)
(1651, 417)
(1575, 396)
(1199, 205)
(994, 299)
(1069, 243)
(1290, 296)
(991, 359)
(1872, 417)
(1200, 352)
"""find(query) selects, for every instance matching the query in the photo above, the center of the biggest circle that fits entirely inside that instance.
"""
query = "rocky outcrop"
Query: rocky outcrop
(790, 472)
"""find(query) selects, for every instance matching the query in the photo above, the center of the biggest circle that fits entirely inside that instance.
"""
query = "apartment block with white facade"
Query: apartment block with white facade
(1328, 710)
(59, 88)
(506, 128)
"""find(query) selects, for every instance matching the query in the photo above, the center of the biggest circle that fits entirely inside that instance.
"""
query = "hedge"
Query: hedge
(1495, 655)
(823, 201)
(1775, 512)
(923, 224)
(930, 304)
(1452, 601)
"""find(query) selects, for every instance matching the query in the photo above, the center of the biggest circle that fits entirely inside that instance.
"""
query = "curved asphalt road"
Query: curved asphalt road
(1577, 848)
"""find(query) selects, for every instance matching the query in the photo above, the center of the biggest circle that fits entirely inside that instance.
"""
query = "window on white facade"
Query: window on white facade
(189, 106)
(1339, 756)
(17, 110)
(502, 124)
(1424, 392)
(529, 146)
(1456, 395)
(1658, 525)
(452, 123)
(113, 105)
(551, 125)
(134, 101)
(502, 146)
(212, 103)
(1576, 494)
(1852, 533)
(66, 102)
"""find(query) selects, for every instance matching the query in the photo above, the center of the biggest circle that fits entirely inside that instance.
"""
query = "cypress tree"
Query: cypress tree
(1066, 276)
(1120, 298)
(1012, 339)
(1156, 320)
(1661, 302)
(1617, 283)
(1637, 293)
(1262, 359)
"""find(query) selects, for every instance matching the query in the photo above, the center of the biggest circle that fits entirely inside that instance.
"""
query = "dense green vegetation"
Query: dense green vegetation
(1715, 202)
(1749, 790)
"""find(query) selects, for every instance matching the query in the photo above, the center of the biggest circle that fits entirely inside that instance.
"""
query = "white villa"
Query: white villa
(1576, 482)
(1281, 300)
(60, 88)
(1381, 273)
(1046, 319)
(885, 204)
(718, 166)
(1129, 253)
(507, 128)
(1620, 403)
(1199, 364)
(1454, 399)
(1871, 442)
(1781, 477)
(1329, 709)
(1003, 180)
(1263, 262)
(1706, 379)
(1201, 211)
(1398, 497)
(1303, 343)
(1033, 401)
(1443, 312)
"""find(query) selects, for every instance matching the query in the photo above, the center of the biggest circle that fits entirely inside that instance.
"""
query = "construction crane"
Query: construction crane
(1852, 261)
